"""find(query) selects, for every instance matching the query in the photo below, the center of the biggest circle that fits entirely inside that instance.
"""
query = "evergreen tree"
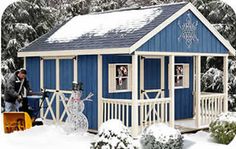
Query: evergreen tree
(23, 22)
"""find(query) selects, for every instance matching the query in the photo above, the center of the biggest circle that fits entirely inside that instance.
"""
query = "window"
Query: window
(181, 75)
(119, 77)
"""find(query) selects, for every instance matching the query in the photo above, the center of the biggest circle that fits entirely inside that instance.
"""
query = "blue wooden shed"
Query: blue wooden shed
(143, 66)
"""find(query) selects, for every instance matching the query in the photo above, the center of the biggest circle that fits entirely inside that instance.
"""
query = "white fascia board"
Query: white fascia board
(73, 52)
(153, 53)
(168, 21)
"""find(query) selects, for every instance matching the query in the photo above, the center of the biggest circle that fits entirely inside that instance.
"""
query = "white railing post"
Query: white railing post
(225, 83)
(172, 89)
(134, 95)
(100, 104)
(198, 90)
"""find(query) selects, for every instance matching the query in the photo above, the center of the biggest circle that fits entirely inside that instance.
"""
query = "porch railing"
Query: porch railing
(150, 111)
(211, 105)
(55, 106)
(117, 109)
(153, 111)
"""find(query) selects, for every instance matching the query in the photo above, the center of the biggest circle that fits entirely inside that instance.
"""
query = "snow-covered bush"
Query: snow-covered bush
(223, 128)
(161, 136)
(212, 80)
(114, 135)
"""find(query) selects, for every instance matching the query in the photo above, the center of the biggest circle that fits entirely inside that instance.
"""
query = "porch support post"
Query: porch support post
(225, 83)
(198, 90)
(172, 89)
(100, 104)
(41, 85)
(75, 61)
(57, 89)
(162, 76)
(135, 95)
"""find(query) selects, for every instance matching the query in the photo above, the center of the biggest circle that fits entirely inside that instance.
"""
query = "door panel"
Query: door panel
(152, 75)
(49, 77)
(66, 74)
(183, 96)
(49, 73)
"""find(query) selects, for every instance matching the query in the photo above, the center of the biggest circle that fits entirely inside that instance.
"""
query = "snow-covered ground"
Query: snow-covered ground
(202, 140)
(53, 136)
(46, 136)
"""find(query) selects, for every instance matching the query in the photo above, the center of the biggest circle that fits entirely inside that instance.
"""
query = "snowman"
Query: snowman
(76, 121)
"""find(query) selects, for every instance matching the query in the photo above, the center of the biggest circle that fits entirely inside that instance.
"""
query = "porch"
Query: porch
(143, 110)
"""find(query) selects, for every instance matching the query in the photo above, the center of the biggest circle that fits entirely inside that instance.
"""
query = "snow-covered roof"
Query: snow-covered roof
(120, 22)
(113, 32)
(112, 29)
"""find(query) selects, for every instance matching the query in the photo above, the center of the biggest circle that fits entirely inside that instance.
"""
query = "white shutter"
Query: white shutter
(186, 75)
(111, 78)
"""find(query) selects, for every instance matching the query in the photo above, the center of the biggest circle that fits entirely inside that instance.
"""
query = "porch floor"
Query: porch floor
(187, 125)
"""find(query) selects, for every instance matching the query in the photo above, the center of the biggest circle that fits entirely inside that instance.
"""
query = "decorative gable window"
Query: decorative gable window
(181, 75)
(119, 77)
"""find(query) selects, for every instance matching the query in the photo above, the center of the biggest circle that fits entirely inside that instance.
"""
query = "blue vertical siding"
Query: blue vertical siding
(33, 73)
(152, 75)
(33, 76)
(66, 73)
(49, 73)
(109, 59)
(167, 39)
(87, 74)
(166, 76)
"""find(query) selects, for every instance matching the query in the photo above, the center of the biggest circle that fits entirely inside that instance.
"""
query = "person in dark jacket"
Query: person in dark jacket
(15, 90)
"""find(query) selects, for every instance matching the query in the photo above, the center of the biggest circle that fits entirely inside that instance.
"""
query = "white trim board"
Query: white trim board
(168, 21)
(153, 53)
(140, 42)
(74, 52)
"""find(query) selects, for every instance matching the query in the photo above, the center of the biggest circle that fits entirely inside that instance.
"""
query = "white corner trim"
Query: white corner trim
(194, 10)
(24, 62)
(73, 52)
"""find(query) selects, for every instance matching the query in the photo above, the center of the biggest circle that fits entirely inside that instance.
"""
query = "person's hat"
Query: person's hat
(22, 70)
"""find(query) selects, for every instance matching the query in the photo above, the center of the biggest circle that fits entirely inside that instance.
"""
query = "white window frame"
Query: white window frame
(112, 78)
(185, 75)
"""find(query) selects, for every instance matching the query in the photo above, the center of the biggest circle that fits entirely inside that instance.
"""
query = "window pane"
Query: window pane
(179, 81)
(121, 70)
(121, 83)
(179, 70)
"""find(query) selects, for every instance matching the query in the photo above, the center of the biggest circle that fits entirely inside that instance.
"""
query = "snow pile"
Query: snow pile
(46, 136)
(223, 128)
(113, 134)
(202, 140)
(228, 117)
(103, 23)
(161, 136)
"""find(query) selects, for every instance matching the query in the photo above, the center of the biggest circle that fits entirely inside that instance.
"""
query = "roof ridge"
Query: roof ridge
(136, 8)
